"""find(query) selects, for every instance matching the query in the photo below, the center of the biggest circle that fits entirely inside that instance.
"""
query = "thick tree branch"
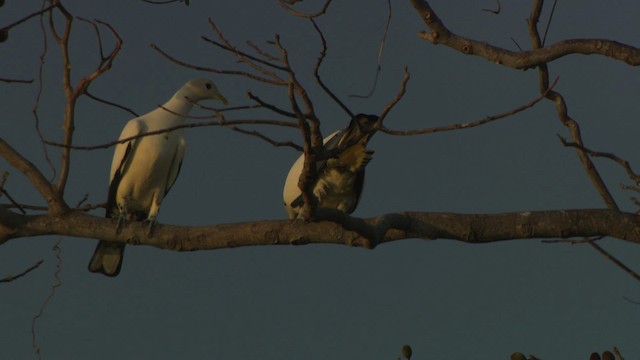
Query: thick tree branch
(470, 228)
(440, 34)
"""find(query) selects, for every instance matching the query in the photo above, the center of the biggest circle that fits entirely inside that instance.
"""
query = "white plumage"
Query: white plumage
(341, 178)
(144, 169)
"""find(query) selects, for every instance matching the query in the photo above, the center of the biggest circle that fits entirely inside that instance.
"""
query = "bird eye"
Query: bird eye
(208, 85)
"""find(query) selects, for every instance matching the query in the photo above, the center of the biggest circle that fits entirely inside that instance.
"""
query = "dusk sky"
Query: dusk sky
(447, 299)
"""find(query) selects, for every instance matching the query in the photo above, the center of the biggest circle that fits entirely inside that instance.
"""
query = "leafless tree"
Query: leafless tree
(271, 66)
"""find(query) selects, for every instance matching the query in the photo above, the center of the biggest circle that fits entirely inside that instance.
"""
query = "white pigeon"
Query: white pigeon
(340, 178)
(144, 169)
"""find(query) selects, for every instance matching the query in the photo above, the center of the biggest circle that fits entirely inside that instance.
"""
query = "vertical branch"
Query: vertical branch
(309, 125)
(561, 108)
(69, 109)
(574, 129)
(72, 94)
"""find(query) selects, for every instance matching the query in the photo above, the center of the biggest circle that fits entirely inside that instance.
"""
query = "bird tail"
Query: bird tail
(107, 258)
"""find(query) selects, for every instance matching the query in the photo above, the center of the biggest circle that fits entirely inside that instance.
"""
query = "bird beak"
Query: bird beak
(221, 99)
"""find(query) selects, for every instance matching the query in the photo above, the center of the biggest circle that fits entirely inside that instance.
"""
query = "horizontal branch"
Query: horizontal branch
(471, 124)
(470, 228)
(440, 34)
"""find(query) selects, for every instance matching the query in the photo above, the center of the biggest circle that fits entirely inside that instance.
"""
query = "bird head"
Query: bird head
(200, 89)
(361, 125)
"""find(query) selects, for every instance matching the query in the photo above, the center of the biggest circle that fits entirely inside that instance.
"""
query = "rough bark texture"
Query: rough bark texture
(470, 228)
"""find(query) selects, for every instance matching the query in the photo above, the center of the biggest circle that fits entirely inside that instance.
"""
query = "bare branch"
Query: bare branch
(469, 228)
(93, 97)
(624, 163)
(46, 189)
(169, 129)
(16, 81)
(521, 60)
(472, 124)
(619, 263)
(380, 50)
(57, 249)
(10, 278)
(396, 100)
(5, 176)
(285, 4)
(546, 30)
(215, 71)
(496, 11)
(266, 138)
(316, 71)
(39, 12)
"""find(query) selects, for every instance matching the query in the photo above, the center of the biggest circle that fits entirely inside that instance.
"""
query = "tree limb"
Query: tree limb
(440, 34)
(469, 228)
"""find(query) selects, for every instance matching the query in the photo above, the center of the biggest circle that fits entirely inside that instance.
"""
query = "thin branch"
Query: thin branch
(316, 71)
(380, 50)
(10, 278)
(57, 249)
(20, 81)
(619, 263)
(496, 11)
(322, 11)
(169, 129)
(266, 138)
(396, 100)
(271, 107)
(39, 12)
(36, 104)
(69, 109)
(546, 30)
(216, 71)
(5, 176)
(624, 163)
(106, 102)
(472, 124)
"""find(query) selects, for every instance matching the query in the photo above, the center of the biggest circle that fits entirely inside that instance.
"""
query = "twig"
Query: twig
(396, 100)
(624, 163)
(39, 12)
(169, 129)
(316, 71)
(20, 81)
(93, 97)
(215, 71)
(471, 124)
(619, 263)
(546, 30)
(266, 138)
(10, 278)
(496, 11)
(321, 12)
(380, 50)
(57, 249)
(36, 105)
(5, 176)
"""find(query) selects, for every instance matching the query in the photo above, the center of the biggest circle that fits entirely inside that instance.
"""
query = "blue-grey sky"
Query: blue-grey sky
(449, 300)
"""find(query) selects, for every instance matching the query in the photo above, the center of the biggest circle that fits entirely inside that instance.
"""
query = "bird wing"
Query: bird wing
(122, 156)
(176, 165)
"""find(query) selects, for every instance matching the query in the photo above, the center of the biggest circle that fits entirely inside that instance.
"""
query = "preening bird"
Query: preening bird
(340, 178)
(144, 169)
